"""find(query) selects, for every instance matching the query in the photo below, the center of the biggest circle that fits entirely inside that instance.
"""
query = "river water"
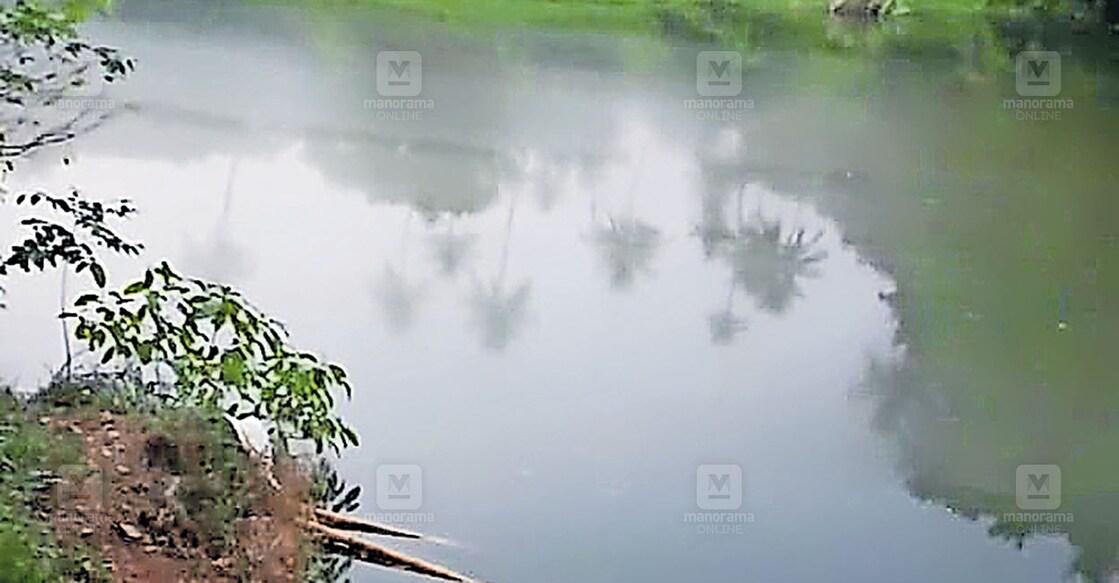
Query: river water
(564, 287)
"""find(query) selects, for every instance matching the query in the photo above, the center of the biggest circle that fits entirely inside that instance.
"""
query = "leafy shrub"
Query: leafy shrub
(220, 352)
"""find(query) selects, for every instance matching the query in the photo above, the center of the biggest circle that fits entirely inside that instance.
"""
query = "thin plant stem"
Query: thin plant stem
(65, 326)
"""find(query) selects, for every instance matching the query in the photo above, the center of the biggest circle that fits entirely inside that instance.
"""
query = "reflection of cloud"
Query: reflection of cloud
(628, 247)
(399, 300)
(769, 264)
(500, 313)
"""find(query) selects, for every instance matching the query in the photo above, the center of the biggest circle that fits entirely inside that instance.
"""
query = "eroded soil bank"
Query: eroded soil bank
(167, 500)
(98, 485)
(153, 494)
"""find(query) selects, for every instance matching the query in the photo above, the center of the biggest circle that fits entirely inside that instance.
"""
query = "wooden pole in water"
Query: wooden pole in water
(360, 549)
(343, 522)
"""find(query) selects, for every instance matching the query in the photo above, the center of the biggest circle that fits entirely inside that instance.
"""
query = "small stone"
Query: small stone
(123, 470)
(129, 532)
(44, 420)
(86, 532)
(106, 417)
(76, 429)
(106, 453)
(113, 434)
(151, 549)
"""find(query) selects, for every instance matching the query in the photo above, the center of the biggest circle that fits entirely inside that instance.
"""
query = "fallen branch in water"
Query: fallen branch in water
(343, 522)
(346, 544)
(331, 527)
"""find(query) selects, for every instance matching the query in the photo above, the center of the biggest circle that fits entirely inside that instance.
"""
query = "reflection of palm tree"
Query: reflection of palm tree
(769, 263)
(627, 245)
(724, 324)
(398, 297)
(500, 311)
(219, 258)
(450, 249)
(547, 188)
(712, 229)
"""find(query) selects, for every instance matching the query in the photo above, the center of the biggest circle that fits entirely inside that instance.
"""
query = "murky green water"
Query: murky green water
(562, 284)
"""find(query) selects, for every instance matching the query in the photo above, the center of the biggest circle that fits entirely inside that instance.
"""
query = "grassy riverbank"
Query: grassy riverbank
(97, 487)
(698, 17)
(29, 550)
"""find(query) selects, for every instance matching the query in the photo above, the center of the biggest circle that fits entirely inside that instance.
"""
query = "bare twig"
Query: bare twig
(343, 522)
(357, 548)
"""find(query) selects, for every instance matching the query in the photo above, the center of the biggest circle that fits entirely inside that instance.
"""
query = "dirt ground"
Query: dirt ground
(160, 507)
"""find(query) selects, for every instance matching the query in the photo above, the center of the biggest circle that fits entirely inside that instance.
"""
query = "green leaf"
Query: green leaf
(98, 275)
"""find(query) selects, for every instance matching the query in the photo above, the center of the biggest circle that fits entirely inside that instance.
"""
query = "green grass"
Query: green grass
(28, 550)
(212, 471)
(598, 14)
(701, 18)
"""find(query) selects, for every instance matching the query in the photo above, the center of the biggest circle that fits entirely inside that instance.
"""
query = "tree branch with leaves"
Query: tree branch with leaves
(221, 352)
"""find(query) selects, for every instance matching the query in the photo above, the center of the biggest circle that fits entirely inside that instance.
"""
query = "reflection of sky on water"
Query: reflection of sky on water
(574, 354)
(558, 373)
